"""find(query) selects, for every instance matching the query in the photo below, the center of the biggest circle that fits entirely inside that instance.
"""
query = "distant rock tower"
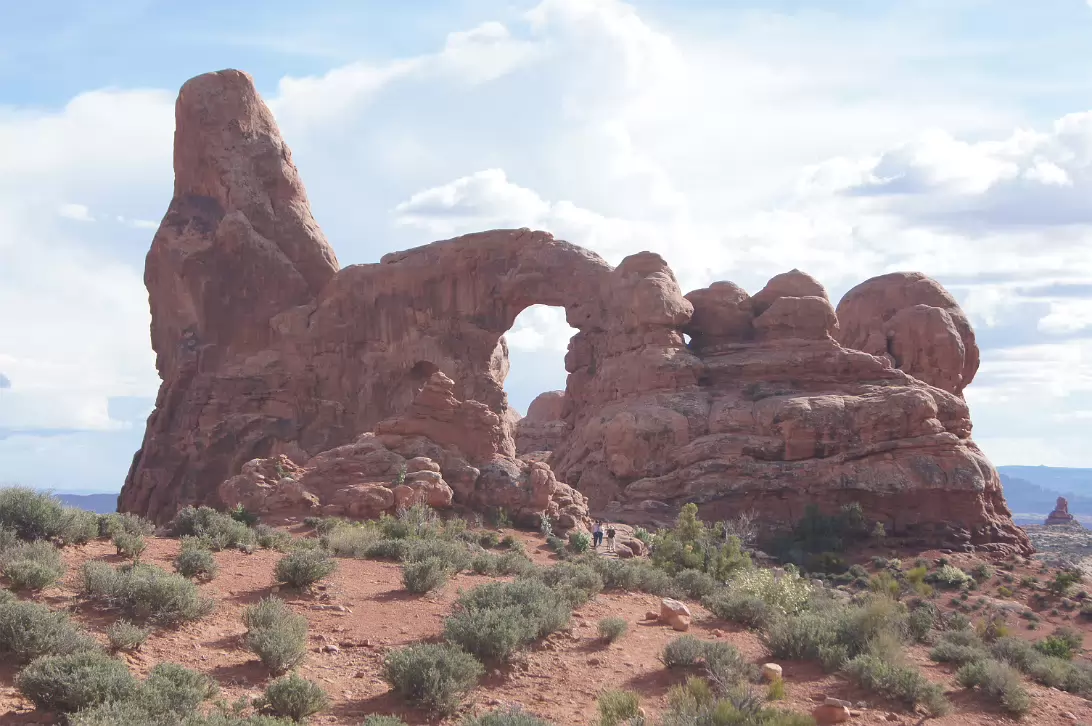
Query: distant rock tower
(1061, 514)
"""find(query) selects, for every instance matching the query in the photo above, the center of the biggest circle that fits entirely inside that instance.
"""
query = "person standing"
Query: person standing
(597, 534)
(610, 537)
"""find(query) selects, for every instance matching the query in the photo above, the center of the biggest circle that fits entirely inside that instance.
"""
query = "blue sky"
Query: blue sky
(738, 139)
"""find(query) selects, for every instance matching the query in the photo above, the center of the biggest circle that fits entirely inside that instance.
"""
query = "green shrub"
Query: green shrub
(494, 620)
(276, 634)
(695, 584)
(144, 592)
(725, 667)
(556, 544)
(1000, 681)
(69, 683)
(111, 524)
(577, 582)
(455, 554)
(579, 542)
(483, 563)
(241, 514)
(512, 716)
(124, 635)
(981, 572)
(32, 565)
(959, 647)
(351, 541)
(294, 697)
(29, 630)
(613, 628)
(77, 526)
(921, 621)
(435, 676)
(693, 545)
(1063, 581)
(950, 576)
(217, 530)
(425, 575)
(303, 568)
(632, 576)
(617, 707)
(195, 560)
(326, 525)
(739, 607)
(683, 652)
(29, 514)
(816, 533)
(174, 689)
(129, 545)
(785, 594)
(898, 682)
(271, 538)
(1062, 643)
(377, 720)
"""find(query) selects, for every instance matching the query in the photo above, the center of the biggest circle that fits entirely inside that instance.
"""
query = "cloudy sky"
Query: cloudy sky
(738, 138)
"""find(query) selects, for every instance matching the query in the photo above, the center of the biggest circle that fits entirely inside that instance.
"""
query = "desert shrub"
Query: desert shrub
(884, 583)
(111, 524)
(216, 529)
(613, 628)
(174, 689)
(617, 707)
(77, 526)
(833, 634)
(276, 634)
(816, 532)
(483, 563)
(921, 621)
(633, 576)
(785, 594)
(724, 666)
(695, 704)
(556, 544)
(644, 535)
(577, 582)
(1063, 581)
(144, 592)
(950, 576)
(514, 563)
(325, 525)
(378, 720)
(6, 596)
(29, 514)
(124, 635)
(512, 716)
(129, 545)
(488, 539)
(69, 683)
(454, 553)
(351, 541)
(303, 568)
(494, 620)
(435, 676)
(992, 627)
(1062, 643)
(579, 542)
(739, 607)
(897, 682)
(981, 572)
(241, 514)
(776, 690)
(425, 575)
(1000, 681)
(693, 545)
(294, 697)
(959, 647)
(195, 560)
(271, 538)
(683, 652)
(695, 584)
(29, 630)
(32, 565)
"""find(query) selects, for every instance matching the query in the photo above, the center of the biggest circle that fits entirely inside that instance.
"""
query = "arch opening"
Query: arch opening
(537, 343)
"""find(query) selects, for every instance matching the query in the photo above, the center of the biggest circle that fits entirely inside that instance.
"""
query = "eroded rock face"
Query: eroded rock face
(411, 458)
(268, 353)
(1061, 514)
(544, 427)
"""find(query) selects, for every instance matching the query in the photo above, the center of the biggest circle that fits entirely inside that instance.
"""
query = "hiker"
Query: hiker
(610, 537)
(597, 534)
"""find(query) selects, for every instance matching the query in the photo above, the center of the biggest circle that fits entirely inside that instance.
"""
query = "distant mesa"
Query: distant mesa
(277, 360)
(1061, 514)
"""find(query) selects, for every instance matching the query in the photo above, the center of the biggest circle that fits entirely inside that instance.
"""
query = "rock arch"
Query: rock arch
(265, 349)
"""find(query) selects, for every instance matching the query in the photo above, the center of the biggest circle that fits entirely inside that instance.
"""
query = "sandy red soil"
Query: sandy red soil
(364, 611)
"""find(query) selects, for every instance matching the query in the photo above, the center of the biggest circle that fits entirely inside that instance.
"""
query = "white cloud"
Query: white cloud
(736, 151)
(78, 212)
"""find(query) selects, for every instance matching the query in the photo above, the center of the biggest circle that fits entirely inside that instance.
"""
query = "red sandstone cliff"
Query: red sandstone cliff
(265, 349)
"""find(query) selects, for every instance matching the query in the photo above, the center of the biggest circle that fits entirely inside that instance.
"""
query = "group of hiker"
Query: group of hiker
(597, 534)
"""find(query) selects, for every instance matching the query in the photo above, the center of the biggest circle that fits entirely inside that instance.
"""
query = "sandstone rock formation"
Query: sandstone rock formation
(1061, 514)
(544, 427)
(266, 350)
(416, 457)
